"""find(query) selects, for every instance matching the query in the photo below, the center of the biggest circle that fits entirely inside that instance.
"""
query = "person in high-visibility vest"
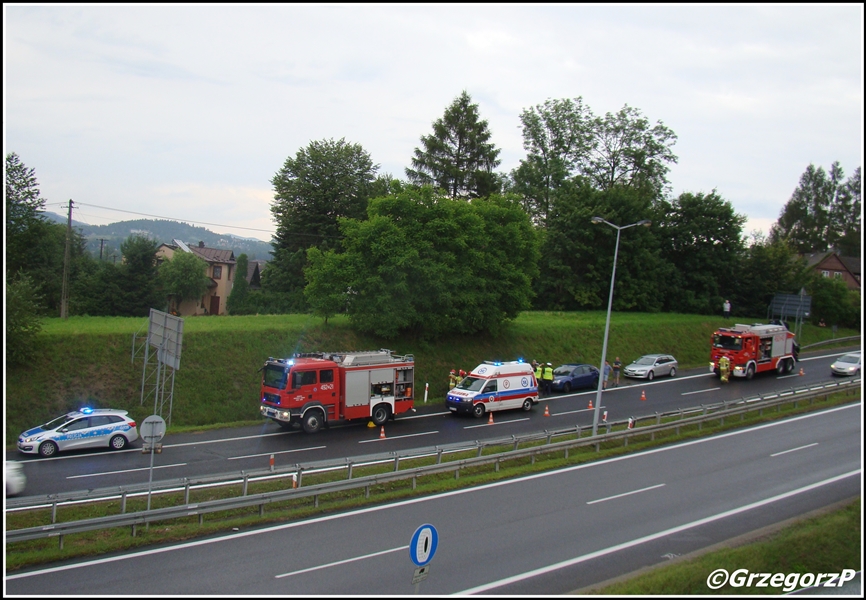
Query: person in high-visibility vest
(724, 368)
(452, 379)
(538, 369)
(547, 378)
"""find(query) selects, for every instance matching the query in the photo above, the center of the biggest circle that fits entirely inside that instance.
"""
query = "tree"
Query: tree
(236, 303)
(23, 202)
(822, 213)
(557, 137)
(184, 277)
(23, 323)
(323, 182)
(833, 302)
(428, 265)
(458, 157)
(138, 276)
(702, 240)
(768, 267)
(629, 152)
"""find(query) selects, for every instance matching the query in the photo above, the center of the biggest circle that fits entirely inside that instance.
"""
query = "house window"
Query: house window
(217, 272)
(837, 275)
(825, 273)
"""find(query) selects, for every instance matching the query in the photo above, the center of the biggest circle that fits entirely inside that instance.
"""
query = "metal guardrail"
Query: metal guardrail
(833, 341)
(707, 412)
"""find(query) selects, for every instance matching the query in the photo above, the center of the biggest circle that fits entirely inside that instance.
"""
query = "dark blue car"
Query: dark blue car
(574, 376)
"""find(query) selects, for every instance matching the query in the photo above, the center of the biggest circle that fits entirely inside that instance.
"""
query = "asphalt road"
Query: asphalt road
(235, 449)
(548, 533)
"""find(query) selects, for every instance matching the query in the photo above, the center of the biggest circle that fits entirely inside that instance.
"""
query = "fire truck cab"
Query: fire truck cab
(314, 389)
(754, 349)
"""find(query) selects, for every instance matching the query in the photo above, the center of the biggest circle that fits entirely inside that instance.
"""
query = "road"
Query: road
(548, 533)
(236, 449)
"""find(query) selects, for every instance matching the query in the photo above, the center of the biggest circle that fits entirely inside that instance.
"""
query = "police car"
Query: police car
(87, 428)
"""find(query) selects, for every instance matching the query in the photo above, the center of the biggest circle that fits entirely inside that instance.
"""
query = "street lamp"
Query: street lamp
(595, 221)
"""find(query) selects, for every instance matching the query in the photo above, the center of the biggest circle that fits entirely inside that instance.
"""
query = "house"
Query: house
(254, 273)
(220, 270)
(830, 264)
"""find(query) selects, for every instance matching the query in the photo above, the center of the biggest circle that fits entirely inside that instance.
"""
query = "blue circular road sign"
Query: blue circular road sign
(423, 544)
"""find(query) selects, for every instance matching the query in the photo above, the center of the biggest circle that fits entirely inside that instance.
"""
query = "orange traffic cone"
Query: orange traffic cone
(801, 371)
(590, 403)
(382, 433)
(294, 480)
(546, 411)
(642, 395)
(490, 419)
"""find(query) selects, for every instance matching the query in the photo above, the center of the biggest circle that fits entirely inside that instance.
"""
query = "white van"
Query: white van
(494, 386)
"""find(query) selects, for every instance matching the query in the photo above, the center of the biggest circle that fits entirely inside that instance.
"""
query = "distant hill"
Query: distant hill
(109, 237)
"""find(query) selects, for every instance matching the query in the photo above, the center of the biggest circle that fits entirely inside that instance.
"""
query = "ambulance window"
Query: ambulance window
(302, 378)
(326, 376)
(490, 387)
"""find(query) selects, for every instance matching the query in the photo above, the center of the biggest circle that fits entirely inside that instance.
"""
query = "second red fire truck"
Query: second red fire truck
(754, 349)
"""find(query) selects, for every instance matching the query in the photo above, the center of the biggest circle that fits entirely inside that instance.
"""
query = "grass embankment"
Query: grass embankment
(88, 360)
(44, 551)
(826, 543)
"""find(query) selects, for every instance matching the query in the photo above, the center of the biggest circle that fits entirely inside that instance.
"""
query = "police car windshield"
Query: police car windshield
(57, 423)
(728, 342)
(472, 384)
(275, 377)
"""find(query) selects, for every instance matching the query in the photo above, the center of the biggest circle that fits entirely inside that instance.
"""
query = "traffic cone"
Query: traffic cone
(642, 395)
(631, 422)
(294, 480)
(382, 433)
(546, 411)
(801, 371)
(590, 404)
(490, 419)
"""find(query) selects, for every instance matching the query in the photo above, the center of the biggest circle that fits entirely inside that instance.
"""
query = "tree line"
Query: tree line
(457, 247)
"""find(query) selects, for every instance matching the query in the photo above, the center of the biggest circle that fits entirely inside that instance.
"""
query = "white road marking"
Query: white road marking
(794, 449)
(700, 391)
(397, 437)
(652, 487)
(485, 424)
(125, 471)
(280, 452)
(342, 562)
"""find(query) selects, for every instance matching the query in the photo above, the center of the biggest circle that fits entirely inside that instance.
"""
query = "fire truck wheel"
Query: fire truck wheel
(750, 372)
(789, 365)
(527, 404)
(313, 421)
(380, 414)
(478, 410)
(780, 366)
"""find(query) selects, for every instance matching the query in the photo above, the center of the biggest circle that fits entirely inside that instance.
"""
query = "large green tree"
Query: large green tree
(23, 322)
(458, 157)
(577, 255)
(630, 151)
(768, 267)
(428, 265)
(138, 276)
(323, 182)
(557, 136)
(24, 203)
(701, 238)
(184, 277)
(823, 213)
(237, 300)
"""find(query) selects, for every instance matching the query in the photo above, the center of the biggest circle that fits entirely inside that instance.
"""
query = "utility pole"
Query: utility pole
(101, 244)
(64, 295)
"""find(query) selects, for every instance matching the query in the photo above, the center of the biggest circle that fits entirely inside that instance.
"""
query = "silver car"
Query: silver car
(87, 428)
(849, 364)
(651, 366)
(13, 474)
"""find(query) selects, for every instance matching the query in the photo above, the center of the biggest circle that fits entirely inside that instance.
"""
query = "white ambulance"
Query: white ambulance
(493, 386)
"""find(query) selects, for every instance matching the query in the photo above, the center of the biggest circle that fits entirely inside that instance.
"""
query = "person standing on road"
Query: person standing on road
(547, 377)
(617, 365)
(605, 375)
(538, 368)
(726, 309)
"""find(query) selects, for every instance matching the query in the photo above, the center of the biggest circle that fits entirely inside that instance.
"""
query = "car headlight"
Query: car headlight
(33, 438)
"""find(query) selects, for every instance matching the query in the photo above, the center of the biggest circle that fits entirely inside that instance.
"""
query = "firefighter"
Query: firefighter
(724, 368)
(461, 375)
(547, 377)
(452, 379)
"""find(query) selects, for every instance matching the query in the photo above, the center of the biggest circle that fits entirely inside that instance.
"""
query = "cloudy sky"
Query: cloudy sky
(187, 112)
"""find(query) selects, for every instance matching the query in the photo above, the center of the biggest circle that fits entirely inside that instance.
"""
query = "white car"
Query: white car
(650, 366)
(849, 364)
(87, 428)
(13, 474)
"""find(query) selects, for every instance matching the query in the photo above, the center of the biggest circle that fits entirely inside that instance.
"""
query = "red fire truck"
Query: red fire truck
(316, 388)
(754, 349)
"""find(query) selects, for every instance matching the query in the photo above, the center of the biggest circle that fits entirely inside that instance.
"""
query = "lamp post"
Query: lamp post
(595, 221)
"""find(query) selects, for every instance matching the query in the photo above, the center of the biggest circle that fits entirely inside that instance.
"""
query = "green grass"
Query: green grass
(88, 360)
(827, 543)
(43, 551)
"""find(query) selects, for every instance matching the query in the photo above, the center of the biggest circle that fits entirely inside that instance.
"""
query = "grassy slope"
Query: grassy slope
(87, 360)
